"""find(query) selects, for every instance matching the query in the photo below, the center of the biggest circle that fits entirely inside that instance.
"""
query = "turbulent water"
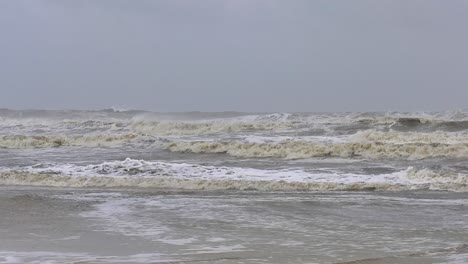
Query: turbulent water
(284, 158)
(303, 151)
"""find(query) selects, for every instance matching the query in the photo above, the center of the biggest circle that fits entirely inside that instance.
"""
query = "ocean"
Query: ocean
(130, 186)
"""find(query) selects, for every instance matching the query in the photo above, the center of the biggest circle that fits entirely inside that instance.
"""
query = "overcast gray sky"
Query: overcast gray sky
(244, 55)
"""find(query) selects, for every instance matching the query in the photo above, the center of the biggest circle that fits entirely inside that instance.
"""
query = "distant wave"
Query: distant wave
(21, 141)
(192, 123)
(190, 128)
(138, 173)
(430, 124)
(120, 110)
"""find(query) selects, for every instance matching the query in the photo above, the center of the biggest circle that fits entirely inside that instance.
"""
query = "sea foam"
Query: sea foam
(139, 173)
(43, 141)
(291, 149)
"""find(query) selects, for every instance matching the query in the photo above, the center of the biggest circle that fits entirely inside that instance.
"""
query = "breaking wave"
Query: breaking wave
(196, 123)
(291, 149)
(430, 124)
(205, 127)
(22, 141)
(139, 173)
(44, 179)
(396, 137)
(328, 122)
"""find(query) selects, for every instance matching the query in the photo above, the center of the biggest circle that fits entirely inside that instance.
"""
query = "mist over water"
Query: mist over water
(243, 55)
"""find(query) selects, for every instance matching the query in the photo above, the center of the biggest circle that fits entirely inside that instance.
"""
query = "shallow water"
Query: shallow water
(152, 226)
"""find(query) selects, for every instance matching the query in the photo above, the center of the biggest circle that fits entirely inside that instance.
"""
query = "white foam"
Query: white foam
(204, 127)
(219, 249)
(46, 257)
(277, 139)
(119, 213)
(394, 137)
(139, 173)
(294, 149)
(21, 141)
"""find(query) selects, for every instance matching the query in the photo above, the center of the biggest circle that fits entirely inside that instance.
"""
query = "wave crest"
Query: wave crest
(44, 179)
(137, 173)
(22, 141)
(396, 137)
(206, 127)
(291, 149)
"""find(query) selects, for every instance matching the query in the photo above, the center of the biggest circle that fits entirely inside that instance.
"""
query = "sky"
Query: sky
(234, 55)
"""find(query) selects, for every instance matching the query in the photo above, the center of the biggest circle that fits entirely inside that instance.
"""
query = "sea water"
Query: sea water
(131, 186)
